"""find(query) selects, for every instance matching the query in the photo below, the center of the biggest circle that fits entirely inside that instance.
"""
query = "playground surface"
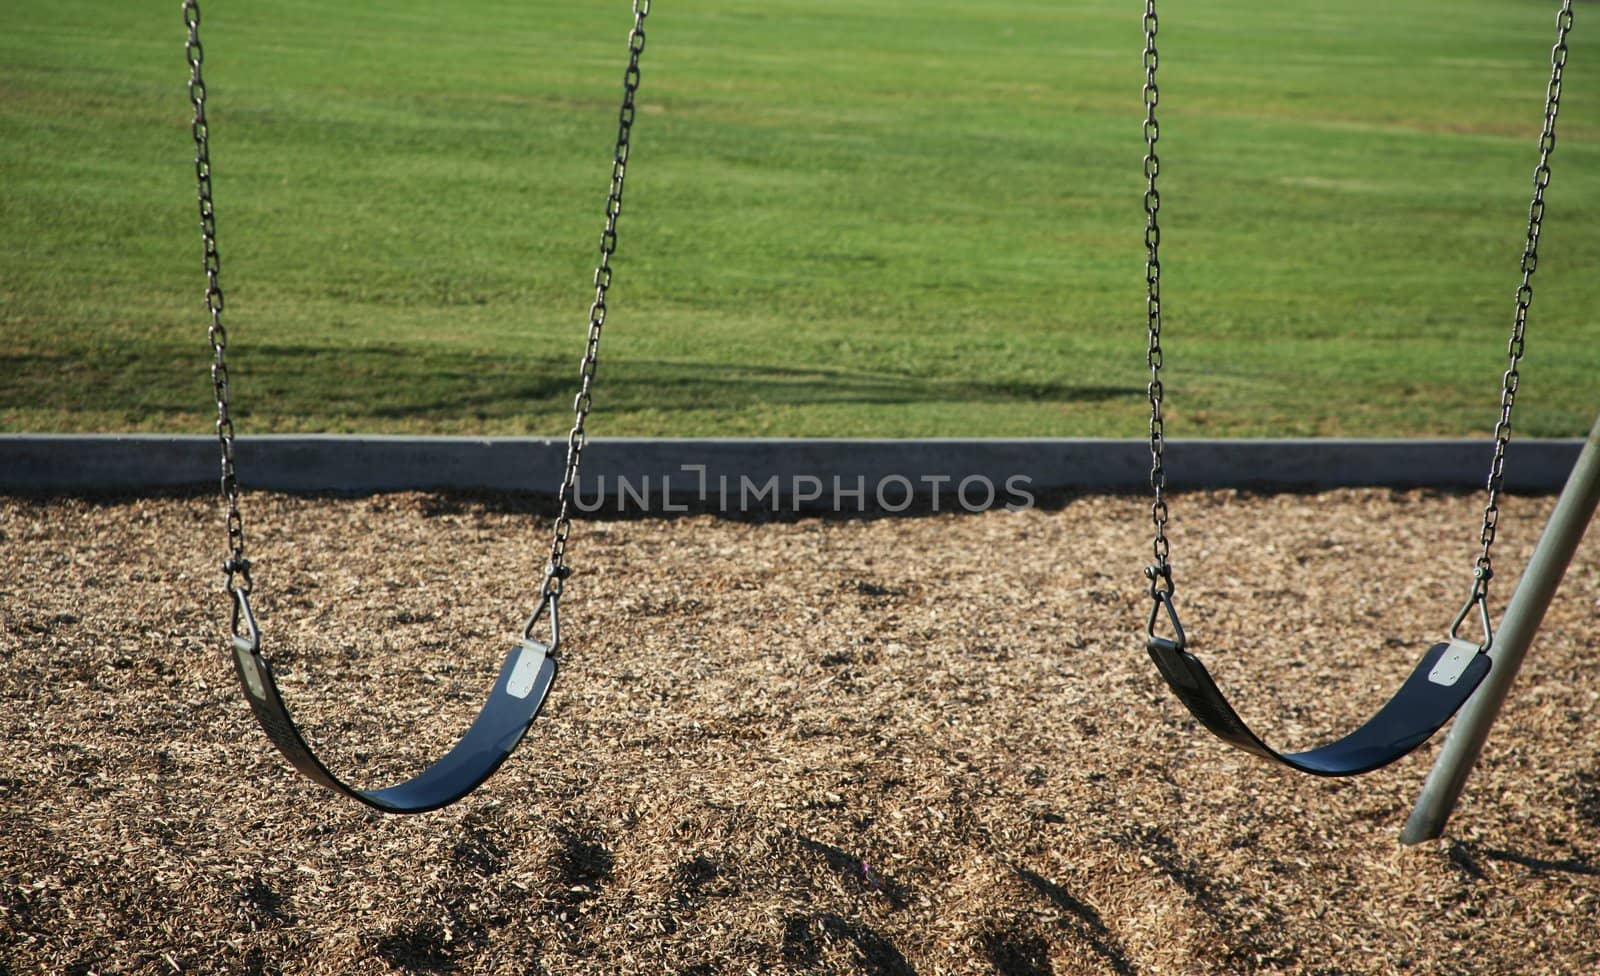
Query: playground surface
(816, 745)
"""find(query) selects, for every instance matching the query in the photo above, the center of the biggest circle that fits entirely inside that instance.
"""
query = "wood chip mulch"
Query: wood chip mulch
(887, 746)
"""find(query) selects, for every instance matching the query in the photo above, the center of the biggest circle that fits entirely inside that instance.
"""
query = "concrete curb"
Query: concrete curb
(746, 474)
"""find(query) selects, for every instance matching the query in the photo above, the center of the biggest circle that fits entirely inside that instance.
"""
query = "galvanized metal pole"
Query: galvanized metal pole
(1534, 592)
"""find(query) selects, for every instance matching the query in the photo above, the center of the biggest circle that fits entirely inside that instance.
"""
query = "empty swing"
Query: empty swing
(530, 667)
(1449, 671)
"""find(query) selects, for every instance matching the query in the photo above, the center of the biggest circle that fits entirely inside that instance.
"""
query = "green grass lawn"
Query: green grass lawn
(863, 218)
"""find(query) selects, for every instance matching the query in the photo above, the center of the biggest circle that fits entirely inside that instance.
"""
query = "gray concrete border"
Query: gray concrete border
(737, 474)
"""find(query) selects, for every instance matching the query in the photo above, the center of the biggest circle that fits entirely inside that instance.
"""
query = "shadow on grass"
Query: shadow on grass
(391, 382)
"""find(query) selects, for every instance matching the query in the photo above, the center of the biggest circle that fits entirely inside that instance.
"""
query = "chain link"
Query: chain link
(237, 567)
(556, 570)
(1160, 573)
(1524, 297)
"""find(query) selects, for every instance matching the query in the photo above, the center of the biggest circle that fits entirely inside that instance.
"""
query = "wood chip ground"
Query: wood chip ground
(889, 746)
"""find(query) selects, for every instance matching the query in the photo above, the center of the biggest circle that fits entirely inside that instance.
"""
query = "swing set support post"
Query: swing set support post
(1535, 590)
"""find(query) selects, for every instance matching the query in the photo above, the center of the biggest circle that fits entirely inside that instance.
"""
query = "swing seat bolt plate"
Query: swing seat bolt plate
(530, 657)
(244, 649)
(1453, 662)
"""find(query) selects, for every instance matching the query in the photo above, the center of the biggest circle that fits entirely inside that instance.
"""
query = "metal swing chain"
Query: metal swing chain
(1160, 572)
(556, 570)
(237, 567)
(1484, 569)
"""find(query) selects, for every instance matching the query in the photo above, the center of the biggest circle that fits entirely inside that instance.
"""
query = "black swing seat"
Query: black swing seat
(518, 693)
(1444, 679)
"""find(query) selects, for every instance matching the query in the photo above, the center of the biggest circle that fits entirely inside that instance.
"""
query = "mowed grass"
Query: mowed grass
(863, 218)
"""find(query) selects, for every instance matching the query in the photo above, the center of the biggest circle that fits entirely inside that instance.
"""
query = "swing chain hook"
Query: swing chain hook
(1479, 597)
(1160, 577)
(555, 580)
(555, 576)
(238, 570)
(547, 601)
(1178, 641)
(243, 623)
(239, 587)
(1161, 590)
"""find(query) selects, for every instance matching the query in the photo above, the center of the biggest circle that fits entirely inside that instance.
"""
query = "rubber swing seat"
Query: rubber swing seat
(1419, 709)
(512, 705)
